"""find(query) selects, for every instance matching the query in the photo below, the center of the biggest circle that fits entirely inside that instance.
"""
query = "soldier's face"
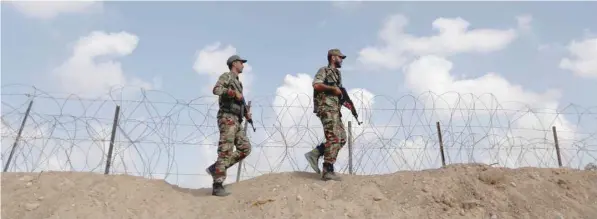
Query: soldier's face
(338, 61)
(239, 66)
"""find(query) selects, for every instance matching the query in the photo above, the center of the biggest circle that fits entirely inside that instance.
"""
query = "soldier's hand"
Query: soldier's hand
(238, 96)
(248, 116)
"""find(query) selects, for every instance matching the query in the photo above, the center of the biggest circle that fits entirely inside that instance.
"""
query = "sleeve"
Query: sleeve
(320, 76)
(221, 87)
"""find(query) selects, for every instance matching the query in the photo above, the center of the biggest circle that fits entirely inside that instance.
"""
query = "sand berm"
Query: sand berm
(456, 191)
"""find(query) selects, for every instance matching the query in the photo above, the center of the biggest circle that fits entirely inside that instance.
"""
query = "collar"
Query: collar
(234, 74)
(335, 70)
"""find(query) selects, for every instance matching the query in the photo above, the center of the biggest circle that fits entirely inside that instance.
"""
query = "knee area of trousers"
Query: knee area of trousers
(245, 151)
(226, 141)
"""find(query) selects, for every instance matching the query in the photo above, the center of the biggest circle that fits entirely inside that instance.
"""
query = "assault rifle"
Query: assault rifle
(244, 105)
(345, 100)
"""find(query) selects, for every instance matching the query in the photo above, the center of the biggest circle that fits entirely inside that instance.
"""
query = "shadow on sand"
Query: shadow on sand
(202, 192)
(307, 175)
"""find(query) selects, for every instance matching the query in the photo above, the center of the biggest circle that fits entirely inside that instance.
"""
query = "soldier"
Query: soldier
(230, 92)
(326, 102)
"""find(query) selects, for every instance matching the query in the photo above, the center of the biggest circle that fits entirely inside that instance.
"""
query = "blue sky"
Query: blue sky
(287, 38)
(297, 41)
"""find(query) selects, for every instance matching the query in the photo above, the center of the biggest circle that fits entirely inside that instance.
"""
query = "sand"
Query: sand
(457, 191)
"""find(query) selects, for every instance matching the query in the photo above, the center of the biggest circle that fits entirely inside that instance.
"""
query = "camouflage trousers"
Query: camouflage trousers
(335, 135)
(232, 135)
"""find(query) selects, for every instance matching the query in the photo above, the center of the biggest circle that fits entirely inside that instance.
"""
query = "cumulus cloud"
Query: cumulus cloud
(47, 10)
(290, 124)
(91, 69)
(583, 60)
(496, 114)
(211, 61)
(433, 73)
(454, 37)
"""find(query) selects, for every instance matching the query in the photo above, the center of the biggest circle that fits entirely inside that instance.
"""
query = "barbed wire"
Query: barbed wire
(159, 135)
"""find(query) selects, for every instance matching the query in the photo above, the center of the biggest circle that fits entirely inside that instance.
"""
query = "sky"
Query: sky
(528, 55)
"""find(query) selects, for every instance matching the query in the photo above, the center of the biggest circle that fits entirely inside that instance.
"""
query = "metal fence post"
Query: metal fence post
(110, 150)
(350, 148)
(441, 144)
(14, 145)
(557, 143)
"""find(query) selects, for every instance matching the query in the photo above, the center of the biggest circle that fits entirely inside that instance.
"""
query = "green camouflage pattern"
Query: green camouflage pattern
(227, 82)
(335, 135)
(231, 134)
(328, 110)
(326, 102)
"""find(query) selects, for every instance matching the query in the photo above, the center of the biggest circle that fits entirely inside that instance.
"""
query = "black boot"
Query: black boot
(321, 149)
(328, 173)
(218, 190)
(211, 170)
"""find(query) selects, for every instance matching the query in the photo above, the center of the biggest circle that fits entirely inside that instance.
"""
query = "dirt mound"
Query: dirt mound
(457, 191)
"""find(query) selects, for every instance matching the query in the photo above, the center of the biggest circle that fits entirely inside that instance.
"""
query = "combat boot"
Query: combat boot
(211, 170)
(219, 190)
(313, 159)
(328, 173)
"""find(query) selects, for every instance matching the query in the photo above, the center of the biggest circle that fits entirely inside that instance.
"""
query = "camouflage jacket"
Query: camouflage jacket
(324, 101)
(226, 84)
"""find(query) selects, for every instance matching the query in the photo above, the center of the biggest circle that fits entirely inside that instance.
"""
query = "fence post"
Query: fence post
(14, 145)
(114, 126)
(240, 162)
(441, 144)
(350, 148)
(555, 138)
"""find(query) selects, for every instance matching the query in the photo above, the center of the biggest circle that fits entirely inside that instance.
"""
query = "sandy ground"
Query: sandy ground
(457, 191)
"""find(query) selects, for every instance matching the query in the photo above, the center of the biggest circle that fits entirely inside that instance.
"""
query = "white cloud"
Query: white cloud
(454, 37)
(50, 9)
(471, 107)
(583, 60)
(290, 122)
(211, 61)
(433, 73)
(91, 69)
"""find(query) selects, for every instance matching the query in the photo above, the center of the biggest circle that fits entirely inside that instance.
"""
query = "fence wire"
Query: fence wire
(160, 136)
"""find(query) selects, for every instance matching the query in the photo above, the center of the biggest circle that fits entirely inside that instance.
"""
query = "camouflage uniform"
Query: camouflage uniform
(229, 123)
(327, 108)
